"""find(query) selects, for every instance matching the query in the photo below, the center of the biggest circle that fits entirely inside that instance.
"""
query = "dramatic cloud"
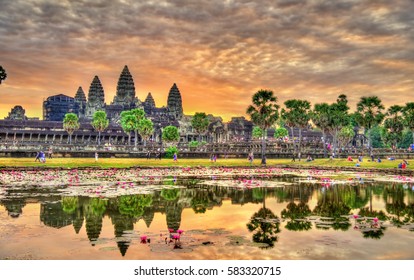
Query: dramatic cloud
(218, 52)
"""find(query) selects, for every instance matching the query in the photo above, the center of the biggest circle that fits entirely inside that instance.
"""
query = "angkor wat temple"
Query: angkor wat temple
(18, 127)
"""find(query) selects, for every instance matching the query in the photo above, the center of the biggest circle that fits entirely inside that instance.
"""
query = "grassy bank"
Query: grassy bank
(128, 162)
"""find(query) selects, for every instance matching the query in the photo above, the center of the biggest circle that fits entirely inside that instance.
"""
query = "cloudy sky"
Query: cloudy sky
(219, 52)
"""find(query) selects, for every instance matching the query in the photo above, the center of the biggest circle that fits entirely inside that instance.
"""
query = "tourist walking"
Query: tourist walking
(96, 156)
(37, 158)
(175, 157)
(250, 158)
(50, 152)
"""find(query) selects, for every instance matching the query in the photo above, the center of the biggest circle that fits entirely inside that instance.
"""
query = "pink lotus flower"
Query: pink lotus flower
(356, 216)
(180, 231)
(375, 220)
(176, 236)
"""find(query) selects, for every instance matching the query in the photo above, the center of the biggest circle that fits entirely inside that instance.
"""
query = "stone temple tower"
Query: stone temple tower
(125, 90)
(175, 103)
(80, 100)
(96, 98)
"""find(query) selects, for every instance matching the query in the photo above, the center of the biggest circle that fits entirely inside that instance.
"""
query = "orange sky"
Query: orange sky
(218, 52)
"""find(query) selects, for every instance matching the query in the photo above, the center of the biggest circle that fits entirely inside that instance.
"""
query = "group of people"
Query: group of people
(41, 156)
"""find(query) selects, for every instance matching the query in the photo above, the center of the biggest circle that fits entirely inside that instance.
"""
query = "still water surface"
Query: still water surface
(183, 221)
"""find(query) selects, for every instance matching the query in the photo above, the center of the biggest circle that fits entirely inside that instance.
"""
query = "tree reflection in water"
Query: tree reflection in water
(264, 223)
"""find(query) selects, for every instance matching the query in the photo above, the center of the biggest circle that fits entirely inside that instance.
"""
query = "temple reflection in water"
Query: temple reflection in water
(305, 207)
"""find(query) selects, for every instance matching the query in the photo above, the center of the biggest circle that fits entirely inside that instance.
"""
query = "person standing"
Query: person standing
(96, 156)
(175, 157)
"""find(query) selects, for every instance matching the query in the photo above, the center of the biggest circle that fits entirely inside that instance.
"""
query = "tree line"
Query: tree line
(393, 127)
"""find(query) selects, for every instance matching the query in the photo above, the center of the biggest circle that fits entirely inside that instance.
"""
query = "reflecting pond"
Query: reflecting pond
(205, 219)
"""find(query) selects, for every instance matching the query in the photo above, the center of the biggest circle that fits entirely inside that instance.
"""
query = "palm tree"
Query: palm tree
(297, 114)
(264, 112)
(338, 118)
(145, 129)
(200, 124)
(128, 123)
(408, 113)
(100, 122)
(321, 118)
(70, 124)
(3, 74)
(139, 114)
(394, 125)
(369, 114)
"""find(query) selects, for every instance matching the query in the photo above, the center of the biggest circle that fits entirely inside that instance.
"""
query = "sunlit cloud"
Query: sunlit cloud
(218, 52)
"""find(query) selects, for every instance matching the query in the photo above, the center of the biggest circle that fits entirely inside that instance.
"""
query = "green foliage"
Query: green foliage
(257, 132)
(145, 128)
(3, 74)
(281, 132)
(376, 134)
(296, 113)
(200, 122)
(406, 139)
(346, 134)
(69, 204)
(169, 152)
(70, 124)
(264, 111)
(170, 194)
(170, 134)
(369, 112)
(133, 205)
(100, 122)
(97, 206)
(408, 114)
(128, 121)
(394, 125)
(193, 144)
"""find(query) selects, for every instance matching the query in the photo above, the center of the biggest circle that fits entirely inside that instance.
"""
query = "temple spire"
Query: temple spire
(174, 102)
(125, 90)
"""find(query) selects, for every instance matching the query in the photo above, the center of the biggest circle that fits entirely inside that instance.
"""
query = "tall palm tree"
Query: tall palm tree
(70, 124)
(408, 113)
(100, 122)
(145, 129)
(394, 124)
(369, 113)
(339, 118)
(128, 123)
(297, 114)
(264, 113)
(139, 114)
(321, 118)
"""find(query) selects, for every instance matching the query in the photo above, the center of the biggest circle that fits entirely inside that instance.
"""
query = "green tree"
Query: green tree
(369, 113)
(200, 123)
(70, 124)
(338, 117)
(321, 118)
(3, 74)
(345, 135)
(377, 134)
(297, 114)
(170, 134)
(139, 114)
(281, 132)
(408, 114)
(264, 113)
(257, 132)
(128, 123)
(394, 125)
(145, 129)
(100, 122)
